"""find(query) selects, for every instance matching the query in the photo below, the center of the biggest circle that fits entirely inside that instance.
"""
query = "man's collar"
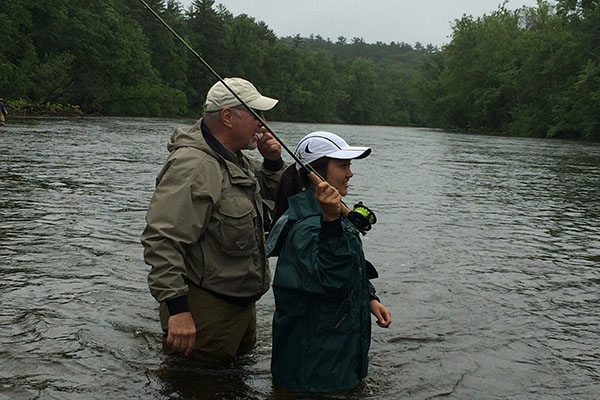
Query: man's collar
(217, 146)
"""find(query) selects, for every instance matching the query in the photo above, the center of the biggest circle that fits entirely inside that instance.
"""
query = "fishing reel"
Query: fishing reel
(362, 217)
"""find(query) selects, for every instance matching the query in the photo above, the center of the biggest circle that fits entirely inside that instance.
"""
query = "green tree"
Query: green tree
(29, 65)
(578, 110)
(207, 35)
(531, 72)
(247, 48)
(168, 56)
(359, 104)
(125, 63)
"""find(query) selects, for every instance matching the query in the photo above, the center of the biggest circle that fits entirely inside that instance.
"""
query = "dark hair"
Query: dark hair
(293, 182)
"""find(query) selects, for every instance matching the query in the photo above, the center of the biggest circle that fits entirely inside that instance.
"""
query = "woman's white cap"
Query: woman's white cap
(326, 144)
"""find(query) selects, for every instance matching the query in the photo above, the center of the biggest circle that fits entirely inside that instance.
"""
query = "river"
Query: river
(488, 250)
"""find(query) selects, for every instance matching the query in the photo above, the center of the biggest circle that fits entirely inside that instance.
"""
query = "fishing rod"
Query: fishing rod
(362, 217)
(216, 74)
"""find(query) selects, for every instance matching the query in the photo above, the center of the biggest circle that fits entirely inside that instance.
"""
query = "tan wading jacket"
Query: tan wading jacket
(205, 221)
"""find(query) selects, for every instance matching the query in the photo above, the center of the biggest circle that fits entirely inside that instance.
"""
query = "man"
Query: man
(3, 112)
(205, 226)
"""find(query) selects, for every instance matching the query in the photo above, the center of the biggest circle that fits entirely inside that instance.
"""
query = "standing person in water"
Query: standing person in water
(204, 236)
(3, 112)
(323, 297)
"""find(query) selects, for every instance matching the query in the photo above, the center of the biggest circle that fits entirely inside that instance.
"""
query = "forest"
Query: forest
(534, 71)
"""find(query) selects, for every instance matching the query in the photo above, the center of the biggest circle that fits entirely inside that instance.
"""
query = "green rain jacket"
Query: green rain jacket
(322, 323)
(205, 221)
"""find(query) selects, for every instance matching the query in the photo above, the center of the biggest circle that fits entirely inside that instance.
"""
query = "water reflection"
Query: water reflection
(488, 250)
(191, 379)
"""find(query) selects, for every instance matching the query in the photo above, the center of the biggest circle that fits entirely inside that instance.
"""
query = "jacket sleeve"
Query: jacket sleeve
(268, 174)
(187, 189)
(371, 274)
(320, 264)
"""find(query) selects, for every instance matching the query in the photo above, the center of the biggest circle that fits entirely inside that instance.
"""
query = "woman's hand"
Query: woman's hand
(383, 315)
(330, 201)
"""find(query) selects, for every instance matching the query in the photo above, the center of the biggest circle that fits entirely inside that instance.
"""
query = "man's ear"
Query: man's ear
(226, 116)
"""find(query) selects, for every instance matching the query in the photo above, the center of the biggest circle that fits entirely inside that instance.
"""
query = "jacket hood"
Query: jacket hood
(301, 205)
(189, 136)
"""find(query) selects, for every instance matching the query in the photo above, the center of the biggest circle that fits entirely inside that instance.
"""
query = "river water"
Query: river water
(488, 250)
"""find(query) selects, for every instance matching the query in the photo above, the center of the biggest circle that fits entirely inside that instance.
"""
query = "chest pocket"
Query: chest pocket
(236, 227)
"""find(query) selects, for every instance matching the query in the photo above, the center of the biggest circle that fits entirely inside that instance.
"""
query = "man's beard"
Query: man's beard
(252, 143)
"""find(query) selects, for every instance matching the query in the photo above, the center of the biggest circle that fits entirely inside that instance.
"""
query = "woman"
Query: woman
(323, 297)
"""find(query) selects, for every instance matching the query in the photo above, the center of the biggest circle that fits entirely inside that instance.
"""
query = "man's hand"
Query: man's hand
(383, 315)
(182, 332)
(330, 201)
(268, 146)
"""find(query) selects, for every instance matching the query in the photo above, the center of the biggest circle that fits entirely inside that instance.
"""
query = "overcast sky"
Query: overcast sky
(410, 21)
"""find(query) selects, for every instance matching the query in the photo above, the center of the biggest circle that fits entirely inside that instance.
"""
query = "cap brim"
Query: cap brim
(351, 153)
(263, 103)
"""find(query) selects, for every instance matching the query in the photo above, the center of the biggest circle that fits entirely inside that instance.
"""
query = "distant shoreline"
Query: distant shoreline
(81, 115)
(22, 108)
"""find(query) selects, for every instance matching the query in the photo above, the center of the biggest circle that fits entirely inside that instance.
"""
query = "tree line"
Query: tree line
(532, 72)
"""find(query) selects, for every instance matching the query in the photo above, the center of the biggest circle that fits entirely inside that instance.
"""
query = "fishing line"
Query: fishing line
(361, 216)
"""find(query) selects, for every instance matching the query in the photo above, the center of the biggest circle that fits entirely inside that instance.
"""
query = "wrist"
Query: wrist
(273, 165)
(330, 229)
(178, 305)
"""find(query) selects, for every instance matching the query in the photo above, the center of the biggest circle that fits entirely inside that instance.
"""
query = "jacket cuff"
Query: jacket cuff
(330, 229)
(178, 305)
(273, 166)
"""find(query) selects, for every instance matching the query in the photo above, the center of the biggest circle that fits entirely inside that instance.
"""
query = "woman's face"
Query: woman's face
(338, 175)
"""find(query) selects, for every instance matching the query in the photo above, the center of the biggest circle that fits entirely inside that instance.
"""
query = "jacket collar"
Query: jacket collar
(234, 162)
(217, 146)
